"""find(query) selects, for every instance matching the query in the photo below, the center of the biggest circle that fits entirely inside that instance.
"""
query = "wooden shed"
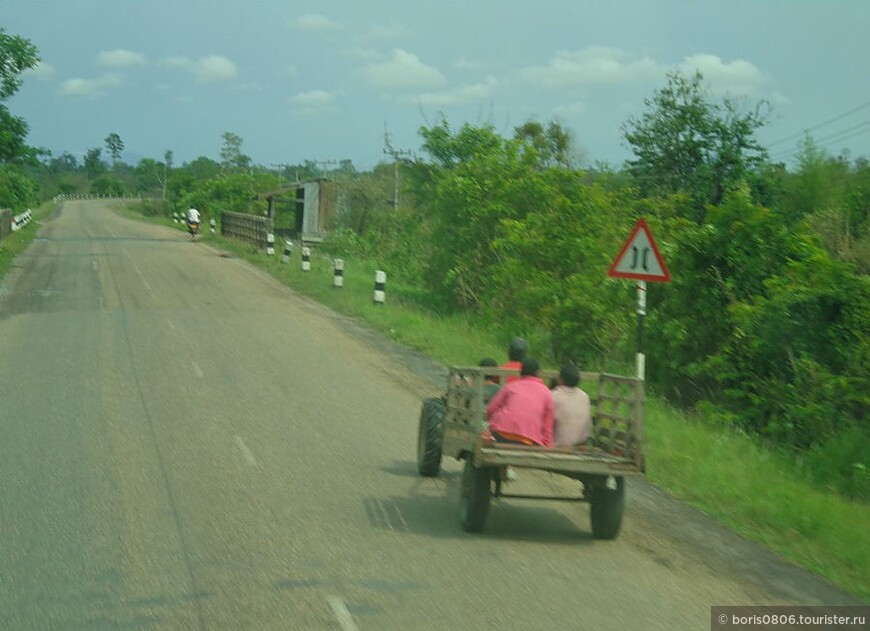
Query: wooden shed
(304, 210)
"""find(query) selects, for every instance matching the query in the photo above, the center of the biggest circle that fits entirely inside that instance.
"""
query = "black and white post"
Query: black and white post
(288, 250)
(641, 312)
(306, 259)
(380, 287)
(270, 244)
(212, 224)
(338, 273)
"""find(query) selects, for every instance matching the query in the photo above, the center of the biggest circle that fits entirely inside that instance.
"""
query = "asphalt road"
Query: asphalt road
(186, 444)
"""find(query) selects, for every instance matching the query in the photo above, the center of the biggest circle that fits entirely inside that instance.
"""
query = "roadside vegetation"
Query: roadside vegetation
(758, 351)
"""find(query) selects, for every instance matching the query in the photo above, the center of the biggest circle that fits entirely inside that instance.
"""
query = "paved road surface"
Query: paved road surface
(185, 444)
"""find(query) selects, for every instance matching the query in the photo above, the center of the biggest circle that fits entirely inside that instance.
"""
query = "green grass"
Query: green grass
(727, 475)
(758, 494)
(15, 243)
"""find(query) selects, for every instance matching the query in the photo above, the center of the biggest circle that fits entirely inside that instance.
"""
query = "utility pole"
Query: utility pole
(325, 163)
(396, 154)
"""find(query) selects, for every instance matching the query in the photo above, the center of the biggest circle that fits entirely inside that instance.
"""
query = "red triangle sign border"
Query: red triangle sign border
(663, 277)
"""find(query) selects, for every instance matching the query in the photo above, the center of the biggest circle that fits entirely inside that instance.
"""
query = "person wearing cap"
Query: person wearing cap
(522, 411)
(572, 412)
(517, 350)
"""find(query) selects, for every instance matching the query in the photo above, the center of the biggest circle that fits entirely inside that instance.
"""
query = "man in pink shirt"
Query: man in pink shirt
(522, 411)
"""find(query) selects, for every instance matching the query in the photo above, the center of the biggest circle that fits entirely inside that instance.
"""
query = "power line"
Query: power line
(820, 125)
(846, 134)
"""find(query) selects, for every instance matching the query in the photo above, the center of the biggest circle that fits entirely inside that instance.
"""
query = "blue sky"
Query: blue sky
(323, 80)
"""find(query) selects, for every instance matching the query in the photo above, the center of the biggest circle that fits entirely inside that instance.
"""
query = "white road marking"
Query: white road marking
(401, 517)
(198, 371)
(142, 278)
(138, 273)
(345, 620)
(384, 514)
(246, 453)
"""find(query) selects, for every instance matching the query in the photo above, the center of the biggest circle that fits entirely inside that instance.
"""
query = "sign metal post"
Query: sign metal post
(640, 260)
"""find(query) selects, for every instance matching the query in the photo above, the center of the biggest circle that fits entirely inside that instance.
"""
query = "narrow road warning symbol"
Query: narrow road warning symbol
(639, 258)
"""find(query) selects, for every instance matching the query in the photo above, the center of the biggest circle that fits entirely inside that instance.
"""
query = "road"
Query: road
(186, 444)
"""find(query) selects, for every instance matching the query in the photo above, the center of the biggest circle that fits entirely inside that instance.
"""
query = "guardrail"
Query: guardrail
(21, 220)
(78, 196)
(244, 227)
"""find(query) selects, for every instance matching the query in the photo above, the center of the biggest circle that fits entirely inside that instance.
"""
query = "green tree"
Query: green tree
(13, 135)
(554, 144)
(16, 55)
(17, 191)
(231, 152)
(93, 163)
(65, 163)
(114, 147)
(108, 186)
(686, 143)
(149, 175)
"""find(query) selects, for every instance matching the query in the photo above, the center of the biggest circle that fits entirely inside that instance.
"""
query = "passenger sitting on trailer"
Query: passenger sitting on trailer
(571, 409)
(490, 382)
(522, 411)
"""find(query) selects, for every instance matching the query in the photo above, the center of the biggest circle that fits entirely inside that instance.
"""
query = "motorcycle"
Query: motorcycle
(193, 228)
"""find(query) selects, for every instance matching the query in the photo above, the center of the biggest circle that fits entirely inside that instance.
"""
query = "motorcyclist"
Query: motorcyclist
(192, 220)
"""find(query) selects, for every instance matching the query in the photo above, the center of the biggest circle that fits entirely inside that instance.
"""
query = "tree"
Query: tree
(93, 163)
(167, 168)
(149, 175)
(108, 186)
(686, 143)
(17, 191)
(231, 152)
(114, 146)
(65, 163)
(553, 144)
(13, 132)
(16, 55)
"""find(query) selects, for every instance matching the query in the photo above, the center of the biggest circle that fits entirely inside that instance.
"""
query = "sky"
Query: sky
(335, 79)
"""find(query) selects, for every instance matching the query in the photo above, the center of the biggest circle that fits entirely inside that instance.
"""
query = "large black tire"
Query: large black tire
(474, 496)
(606, 509)
(430, 437)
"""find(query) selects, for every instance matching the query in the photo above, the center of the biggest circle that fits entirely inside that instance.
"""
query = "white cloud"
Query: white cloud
(403, 69)
(42, 70)
(209, 69)
(313, 98)
(737, 77)
(313, 102)
(594, 65)
(385, 33)
(90, 88)
(120, 58)
(462, 94)
(313, 22)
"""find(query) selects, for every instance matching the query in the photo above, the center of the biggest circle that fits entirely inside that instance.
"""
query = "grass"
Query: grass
(15, 243)
(726, 474)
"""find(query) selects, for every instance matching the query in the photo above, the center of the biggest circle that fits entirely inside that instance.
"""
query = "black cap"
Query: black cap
(517, 349)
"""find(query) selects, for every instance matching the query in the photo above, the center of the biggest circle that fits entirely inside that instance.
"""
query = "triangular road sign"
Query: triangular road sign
(639, 258)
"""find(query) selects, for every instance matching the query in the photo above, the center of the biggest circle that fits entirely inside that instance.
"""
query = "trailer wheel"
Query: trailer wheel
(430, 436)
(606, 509)
(475, 496)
